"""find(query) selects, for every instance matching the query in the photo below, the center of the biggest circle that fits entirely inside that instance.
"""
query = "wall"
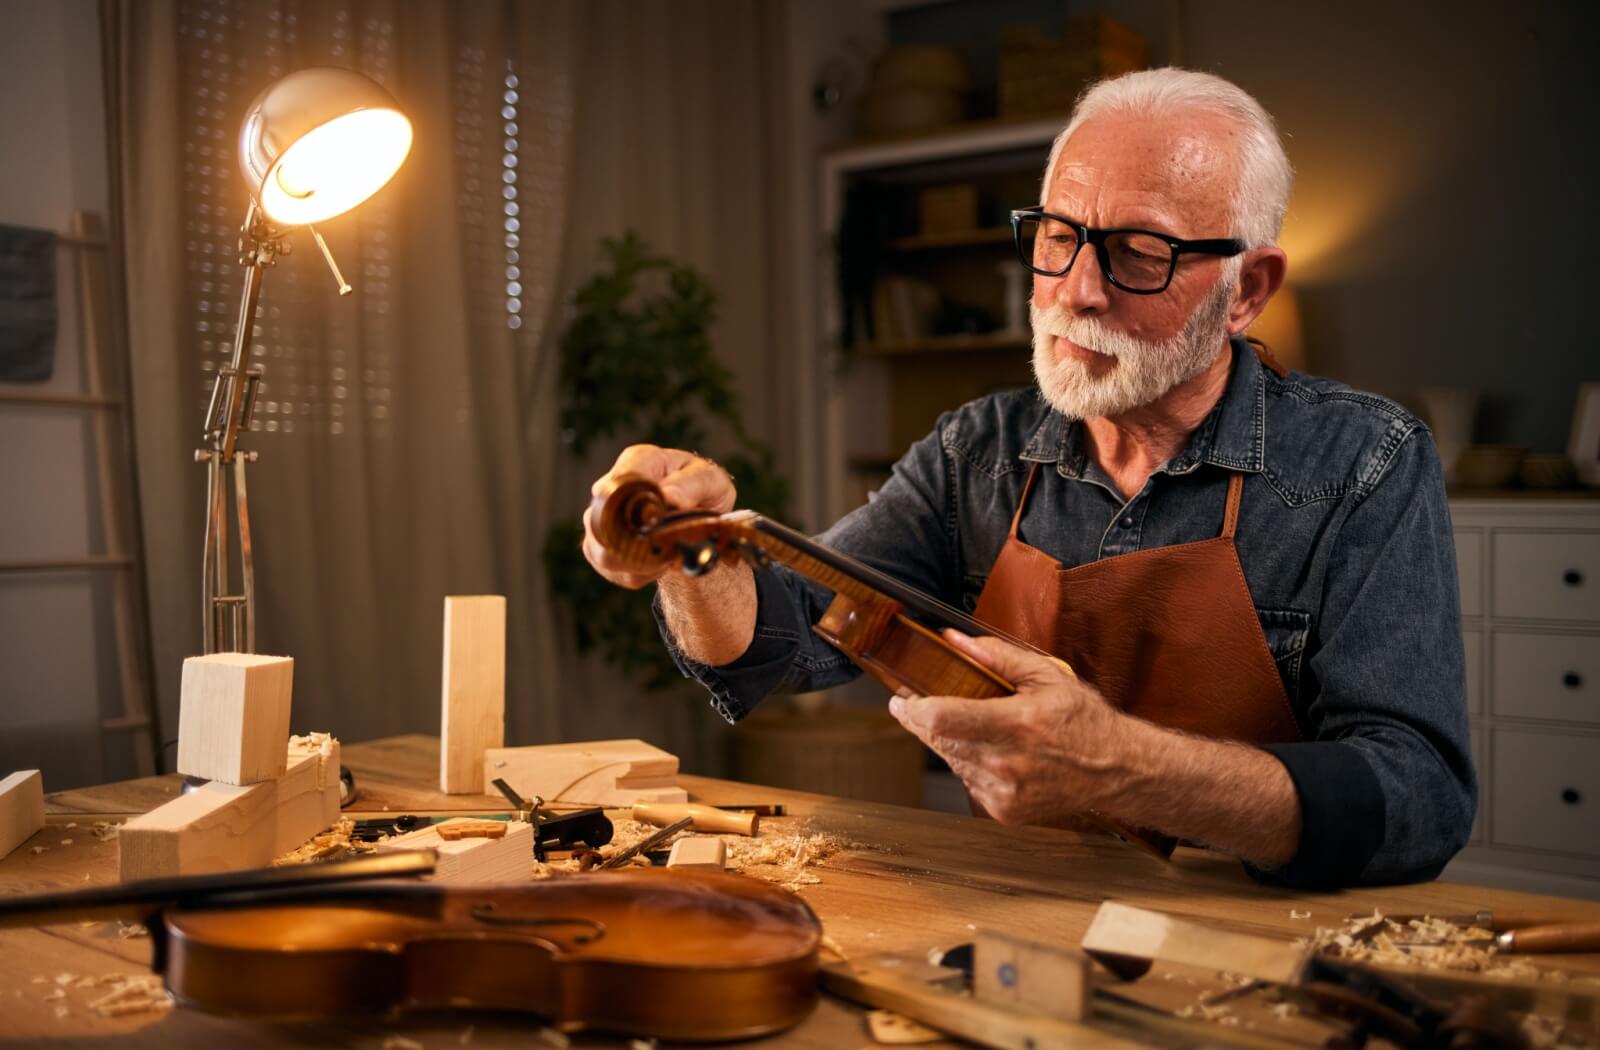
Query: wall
(57, 672)
(1441, 227)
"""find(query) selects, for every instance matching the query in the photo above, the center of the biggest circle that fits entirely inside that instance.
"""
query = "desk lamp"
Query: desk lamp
(313, 145)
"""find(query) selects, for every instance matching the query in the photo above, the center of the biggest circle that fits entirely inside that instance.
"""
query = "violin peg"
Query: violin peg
(698, 558)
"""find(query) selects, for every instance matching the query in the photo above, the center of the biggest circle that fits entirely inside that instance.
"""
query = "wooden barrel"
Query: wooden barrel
(853, 752)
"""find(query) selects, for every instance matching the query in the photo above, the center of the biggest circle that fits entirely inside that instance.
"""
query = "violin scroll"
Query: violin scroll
(623, 512)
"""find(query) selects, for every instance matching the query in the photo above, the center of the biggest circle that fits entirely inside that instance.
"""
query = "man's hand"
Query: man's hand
(688, 482)
(712, 617)
(1056, 747)
(1028, 758)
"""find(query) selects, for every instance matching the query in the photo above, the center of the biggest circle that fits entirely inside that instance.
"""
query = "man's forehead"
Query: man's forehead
(1168, 164)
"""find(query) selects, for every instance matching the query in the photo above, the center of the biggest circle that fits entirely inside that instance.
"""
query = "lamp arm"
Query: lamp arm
(229, 619)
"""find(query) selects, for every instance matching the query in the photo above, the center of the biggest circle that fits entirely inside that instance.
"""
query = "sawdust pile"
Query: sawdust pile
(782, 857)
(330, 844)
(123, 993)
(1426, 944)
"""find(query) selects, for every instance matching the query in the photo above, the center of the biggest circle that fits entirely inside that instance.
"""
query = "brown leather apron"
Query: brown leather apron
(1169, 634)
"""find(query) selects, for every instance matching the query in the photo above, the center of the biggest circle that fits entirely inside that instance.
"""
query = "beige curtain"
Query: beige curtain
(407, 436)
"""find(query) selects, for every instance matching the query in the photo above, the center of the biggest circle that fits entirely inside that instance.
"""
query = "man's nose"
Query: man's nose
(1081, 290)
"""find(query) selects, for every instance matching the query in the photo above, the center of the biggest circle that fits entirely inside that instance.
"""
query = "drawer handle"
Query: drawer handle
(1572, 680)
(1571, 796)
(1572, 578)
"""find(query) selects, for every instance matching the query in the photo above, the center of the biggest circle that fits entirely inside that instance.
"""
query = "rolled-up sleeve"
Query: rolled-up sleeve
(904, 529)
(1385, 780)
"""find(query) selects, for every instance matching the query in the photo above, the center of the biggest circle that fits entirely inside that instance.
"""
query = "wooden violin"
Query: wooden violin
(658, 953)
(889, 630)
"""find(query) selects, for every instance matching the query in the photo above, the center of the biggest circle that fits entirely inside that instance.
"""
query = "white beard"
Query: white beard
(1144, 371)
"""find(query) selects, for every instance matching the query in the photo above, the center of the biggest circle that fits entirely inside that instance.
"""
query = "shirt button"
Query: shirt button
(1127, 522)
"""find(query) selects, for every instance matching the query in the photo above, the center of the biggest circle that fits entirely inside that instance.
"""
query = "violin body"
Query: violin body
(679, 955)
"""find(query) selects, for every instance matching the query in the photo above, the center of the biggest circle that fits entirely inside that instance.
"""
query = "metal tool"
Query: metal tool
(590, 827)
(643, 844)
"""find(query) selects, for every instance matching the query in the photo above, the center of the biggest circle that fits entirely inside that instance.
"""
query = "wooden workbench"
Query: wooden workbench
(919, 879)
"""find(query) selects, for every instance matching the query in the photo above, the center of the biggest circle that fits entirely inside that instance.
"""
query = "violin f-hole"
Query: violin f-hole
(488, 914)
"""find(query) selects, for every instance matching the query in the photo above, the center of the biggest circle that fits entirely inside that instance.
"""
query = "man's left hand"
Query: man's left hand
(1040, 754)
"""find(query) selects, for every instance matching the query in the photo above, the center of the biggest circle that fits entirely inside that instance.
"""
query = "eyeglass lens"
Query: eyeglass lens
(1138, 260)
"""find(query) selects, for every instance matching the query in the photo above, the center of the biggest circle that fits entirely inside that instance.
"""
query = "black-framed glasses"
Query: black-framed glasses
(1137, 261)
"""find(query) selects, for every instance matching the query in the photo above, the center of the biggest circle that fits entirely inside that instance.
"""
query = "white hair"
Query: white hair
(1261, 195)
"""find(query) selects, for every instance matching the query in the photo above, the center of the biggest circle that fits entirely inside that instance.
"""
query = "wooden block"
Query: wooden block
(1127, 939)
(472, 860)
(1009, 970)
(229, 827)
(233, 716)
(698, 851)
(21, 808)
(217, 827)
(308, 792)
(594, 773)
(473, 716)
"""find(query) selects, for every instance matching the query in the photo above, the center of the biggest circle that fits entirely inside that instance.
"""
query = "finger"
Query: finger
(622, 575)
(953, 719)
(652, 461)
(1015, 664)
(699, 485)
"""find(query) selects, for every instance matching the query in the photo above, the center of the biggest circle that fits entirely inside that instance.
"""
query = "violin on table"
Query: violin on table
(659, 953)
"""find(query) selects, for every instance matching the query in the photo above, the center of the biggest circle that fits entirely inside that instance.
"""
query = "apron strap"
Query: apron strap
(1230, 517)
(1027, 487)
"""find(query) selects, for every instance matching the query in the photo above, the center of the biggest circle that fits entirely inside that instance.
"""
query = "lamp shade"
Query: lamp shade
(319, 142)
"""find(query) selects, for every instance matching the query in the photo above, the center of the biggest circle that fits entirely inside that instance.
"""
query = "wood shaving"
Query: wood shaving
(783, 858)
(39, 849)
(129, 930)
(1296, 913)
(1426, 944)
(1548, 1033)
(66, 842)
(551, 1037)
(131, 994)
(105, 830)
(312, 743)
(1205, 1012)
(335, 842)
(400, 1042)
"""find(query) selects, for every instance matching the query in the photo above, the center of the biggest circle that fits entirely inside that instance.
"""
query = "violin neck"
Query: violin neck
(138, 901)
(932, 612)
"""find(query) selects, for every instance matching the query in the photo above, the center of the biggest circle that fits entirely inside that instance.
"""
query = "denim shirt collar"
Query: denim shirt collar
(1231, 436)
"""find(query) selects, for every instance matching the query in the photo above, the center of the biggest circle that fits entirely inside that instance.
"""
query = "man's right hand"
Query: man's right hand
(688, 482)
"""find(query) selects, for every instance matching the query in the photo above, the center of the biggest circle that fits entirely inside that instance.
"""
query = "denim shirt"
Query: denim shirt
(1344, 535)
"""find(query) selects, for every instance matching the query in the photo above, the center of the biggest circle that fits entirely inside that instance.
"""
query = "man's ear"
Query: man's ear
(1261, 275)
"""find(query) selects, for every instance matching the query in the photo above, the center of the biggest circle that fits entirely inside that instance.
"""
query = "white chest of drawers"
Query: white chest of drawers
(1530, 605)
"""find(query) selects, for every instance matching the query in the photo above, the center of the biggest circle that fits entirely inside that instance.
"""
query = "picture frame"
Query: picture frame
(1584, 445)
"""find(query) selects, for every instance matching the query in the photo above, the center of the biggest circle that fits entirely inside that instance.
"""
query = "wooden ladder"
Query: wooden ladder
(104, 356)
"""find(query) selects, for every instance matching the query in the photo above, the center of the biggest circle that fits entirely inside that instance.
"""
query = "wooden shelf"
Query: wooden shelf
(947, 344)
(985, 237)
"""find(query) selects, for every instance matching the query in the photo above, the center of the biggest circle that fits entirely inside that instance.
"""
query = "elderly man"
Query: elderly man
(1249, 573)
